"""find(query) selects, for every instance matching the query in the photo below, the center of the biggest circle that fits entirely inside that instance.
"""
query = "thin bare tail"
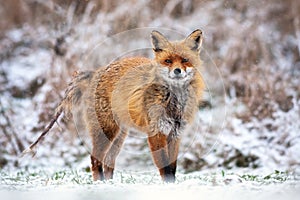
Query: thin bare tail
(30, 149)
(72, 97)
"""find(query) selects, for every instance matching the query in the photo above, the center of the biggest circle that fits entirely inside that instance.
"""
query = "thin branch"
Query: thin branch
(15, 151)
(18, 141)
(19, 146)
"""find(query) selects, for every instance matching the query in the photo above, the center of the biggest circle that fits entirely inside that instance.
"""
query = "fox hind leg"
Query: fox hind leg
(101, 142)
(100, 146)
(97, 169)
(112, 153)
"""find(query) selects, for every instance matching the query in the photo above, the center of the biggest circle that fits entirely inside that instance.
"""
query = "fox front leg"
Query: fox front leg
(159, 149)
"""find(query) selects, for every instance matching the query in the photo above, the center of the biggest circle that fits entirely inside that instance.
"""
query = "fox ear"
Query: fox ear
(159, 42)
(194, 40)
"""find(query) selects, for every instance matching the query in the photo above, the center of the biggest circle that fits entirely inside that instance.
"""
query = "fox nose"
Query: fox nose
(177, 71)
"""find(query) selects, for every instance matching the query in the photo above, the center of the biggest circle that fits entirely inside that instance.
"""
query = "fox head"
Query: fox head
(177, 61)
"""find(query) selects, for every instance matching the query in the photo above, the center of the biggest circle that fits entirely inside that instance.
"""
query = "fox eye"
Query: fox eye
(169, 61)
(184, 60)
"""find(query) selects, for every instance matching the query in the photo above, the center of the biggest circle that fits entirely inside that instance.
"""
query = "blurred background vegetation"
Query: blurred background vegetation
(255, 45)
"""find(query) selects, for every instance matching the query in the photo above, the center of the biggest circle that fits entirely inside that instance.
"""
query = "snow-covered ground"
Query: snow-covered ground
(72, 184)
(225, 155)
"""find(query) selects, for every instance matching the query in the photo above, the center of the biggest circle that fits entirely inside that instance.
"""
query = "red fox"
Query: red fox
(158, 97)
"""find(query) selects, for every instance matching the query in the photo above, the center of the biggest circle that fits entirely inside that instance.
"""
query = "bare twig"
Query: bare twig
(19, 147)
(15, 151)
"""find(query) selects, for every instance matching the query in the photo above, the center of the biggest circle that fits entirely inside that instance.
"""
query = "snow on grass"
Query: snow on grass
(77, 184)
